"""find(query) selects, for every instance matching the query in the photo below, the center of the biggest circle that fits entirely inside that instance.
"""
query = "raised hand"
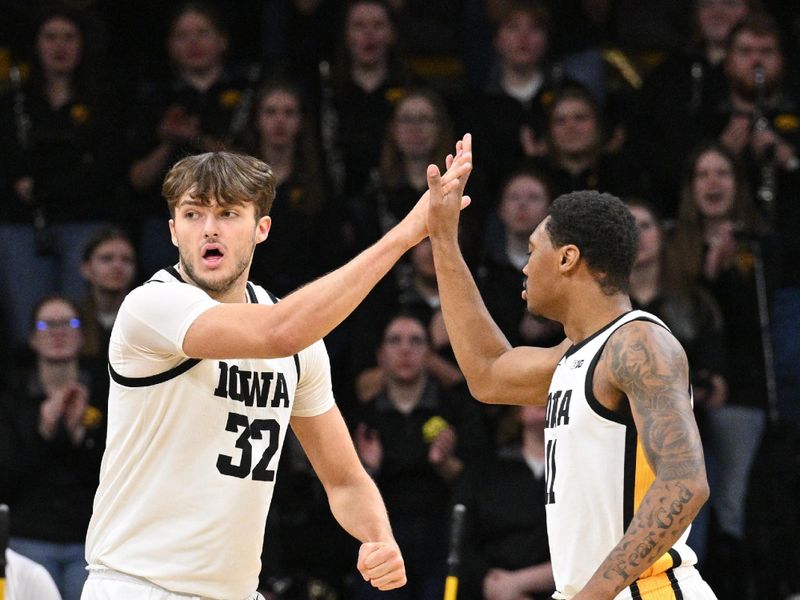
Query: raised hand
(453, 181)
(446, 194)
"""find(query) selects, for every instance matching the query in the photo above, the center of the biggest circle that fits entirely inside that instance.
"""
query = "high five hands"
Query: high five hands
(452, 182)
(446, 192)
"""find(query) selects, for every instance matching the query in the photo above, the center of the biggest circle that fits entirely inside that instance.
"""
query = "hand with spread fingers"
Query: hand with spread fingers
(453, 182)
(446, 194)
(382, 565)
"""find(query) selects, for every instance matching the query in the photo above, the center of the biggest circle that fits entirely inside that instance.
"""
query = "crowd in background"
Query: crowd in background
(687, 110)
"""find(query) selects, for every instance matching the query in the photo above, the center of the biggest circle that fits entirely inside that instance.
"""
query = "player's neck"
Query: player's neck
(234, 293)
(594, 311)
(237, 293)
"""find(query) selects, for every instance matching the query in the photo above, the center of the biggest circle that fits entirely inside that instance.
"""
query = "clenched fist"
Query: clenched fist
(382, 565)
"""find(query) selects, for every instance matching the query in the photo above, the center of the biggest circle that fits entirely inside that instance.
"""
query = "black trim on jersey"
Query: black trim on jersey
(251, 293)
(635, 593)
(677, 561)
(676, 588)
(573, 349)
(594, 403)
(174, 272)
(153, 379)
(631, 434)
(274, 299)
(629, 475)
(185, 366)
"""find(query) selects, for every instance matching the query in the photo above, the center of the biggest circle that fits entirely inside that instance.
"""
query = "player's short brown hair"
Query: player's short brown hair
(226, 177)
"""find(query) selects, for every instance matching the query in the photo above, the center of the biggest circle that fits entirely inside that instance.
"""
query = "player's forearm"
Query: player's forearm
(474, 336)
(317, 308)
(359, 509)
(667, 509)
(314, 310)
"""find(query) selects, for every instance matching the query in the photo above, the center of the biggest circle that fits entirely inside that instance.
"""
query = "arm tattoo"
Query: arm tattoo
(648, 364)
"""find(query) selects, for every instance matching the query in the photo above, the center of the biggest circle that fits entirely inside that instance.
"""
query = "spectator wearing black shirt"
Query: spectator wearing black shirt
(524, 201)
(305, 238)
(512, 107)
(415, 438)
(109, 268)
(675, 96)
(660, 286)
(577, 153)
(367, 80)
(716, 242)
(760, 124)
(418, 133)
(52, 423)
(505, 553)
(190, 112)
(60, 169)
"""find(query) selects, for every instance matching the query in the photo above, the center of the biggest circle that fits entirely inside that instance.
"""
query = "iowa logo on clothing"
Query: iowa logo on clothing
(253, 388)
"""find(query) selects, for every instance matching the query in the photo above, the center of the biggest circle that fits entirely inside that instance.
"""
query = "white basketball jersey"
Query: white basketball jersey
(596, 476)
(193, 446)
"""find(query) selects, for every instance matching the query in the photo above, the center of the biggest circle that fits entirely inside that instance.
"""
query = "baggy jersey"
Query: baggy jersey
(596, 476)
(193, 446)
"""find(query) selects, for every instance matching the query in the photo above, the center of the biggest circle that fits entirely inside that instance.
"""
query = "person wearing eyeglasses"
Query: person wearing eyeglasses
(52, 435)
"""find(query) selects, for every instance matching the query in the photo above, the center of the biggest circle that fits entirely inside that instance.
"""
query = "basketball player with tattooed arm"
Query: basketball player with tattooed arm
(625, 474)
(207, 373)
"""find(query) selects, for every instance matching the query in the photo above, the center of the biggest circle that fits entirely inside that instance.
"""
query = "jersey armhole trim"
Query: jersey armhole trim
(274, 299)
(591, 400)
(179, 369)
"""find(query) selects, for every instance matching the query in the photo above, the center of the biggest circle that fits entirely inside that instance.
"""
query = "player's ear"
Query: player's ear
(172, 232)
(569, 257)
(262, 229)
